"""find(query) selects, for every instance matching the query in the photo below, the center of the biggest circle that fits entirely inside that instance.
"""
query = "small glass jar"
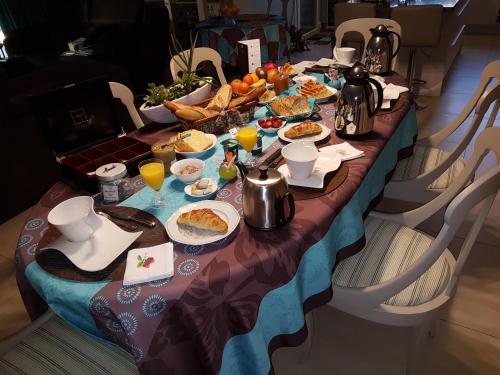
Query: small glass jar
(281, 83)
(114, 182)
(164, 152)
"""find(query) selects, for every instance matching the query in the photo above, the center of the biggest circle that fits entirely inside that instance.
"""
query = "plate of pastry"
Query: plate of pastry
(316, 90)
(305, 131)
(202, 222)
(294, 107)
(203, 187)
(195, 143)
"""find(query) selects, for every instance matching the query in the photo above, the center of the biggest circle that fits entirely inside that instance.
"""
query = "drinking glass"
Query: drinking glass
(248, 137)
(153, 173)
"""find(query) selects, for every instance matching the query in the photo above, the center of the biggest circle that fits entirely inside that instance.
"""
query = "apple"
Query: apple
(271, 75)
(261, 73)
(269, 66)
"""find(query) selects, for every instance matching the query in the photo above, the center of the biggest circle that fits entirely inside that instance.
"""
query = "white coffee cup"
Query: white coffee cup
(344, 55)
(75, 218)
(300, 158)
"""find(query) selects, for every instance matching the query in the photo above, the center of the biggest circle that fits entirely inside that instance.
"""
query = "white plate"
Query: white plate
(95, 254)
(303, 78)
(201, 237)
(327, 62)
(325, 164)
(324, 99)
(313, 138)
(212, 183)
(196, 154)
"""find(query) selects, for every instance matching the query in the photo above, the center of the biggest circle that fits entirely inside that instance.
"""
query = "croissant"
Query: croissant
(203, 219)
(303, 129)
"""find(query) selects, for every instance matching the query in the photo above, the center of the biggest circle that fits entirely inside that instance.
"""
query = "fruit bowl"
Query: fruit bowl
(270, 125)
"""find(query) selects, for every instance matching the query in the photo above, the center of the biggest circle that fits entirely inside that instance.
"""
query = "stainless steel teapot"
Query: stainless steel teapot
(267, 202)
(380, 50)
(356, 107)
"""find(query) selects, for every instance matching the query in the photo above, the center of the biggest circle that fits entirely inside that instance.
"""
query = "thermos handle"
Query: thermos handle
(291, 205)
(399, 42)
(380, 96)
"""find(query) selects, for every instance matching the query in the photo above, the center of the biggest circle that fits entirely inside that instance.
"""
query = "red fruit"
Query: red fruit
(148, 262)
(261, 121)
(276, 124)
(269, 123)
(269, 66)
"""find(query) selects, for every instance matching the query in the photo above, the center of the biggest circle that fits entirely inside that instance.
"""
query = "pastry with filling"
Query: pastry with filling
(313, 89)
(203, 218)
(304, 129)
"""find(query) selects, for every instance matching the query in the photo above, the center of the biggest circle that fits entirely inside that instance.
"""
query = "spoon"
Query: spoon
(124, 225)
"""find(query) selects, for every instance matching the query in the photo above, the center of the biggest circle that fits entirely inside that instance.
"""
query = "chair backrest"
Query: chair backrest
(123, 93)
(200, 54)
(458, 199)
(411, 18)
(363, 26)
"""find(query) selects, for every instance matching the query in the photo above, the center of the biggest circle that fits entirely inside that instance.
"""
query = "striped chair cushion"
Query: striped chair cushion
(390, 250)
(425, 159)
(56, 348)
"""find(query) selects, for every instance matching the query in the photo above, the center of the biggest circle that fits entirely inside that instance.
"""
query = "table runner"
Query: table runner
(226, 283)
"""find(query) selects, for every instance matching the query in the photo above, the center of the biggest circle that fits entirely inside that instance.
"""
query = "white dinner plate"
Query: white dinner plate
(324, 99)
(212, 184)
(95, 254)
(313, 138)
(202, 237)
(325, 164)
(303, 78)
(197, 154)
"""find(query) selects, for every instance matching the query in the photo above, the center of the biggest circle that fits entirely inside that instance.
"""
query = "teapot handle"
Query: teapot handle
(291, 205)
(399, 42)
(380, 96)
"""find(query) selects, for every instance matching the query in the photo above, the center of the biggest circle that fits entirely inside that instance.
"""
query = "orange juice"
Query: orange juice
(247, 138)
(153, 174)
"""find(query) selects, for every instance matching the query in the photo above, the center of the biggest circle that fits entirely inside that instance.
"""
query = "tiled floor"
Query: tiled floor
(468, 333)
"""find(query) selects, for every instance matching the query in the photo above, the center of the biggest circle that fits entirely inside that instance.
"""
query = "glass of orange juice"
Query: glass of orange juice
(153, 173)
(247, 137)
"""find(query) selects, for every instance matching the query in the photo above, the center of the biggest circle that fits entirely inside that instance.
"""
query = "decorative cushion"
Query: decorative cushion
(390, 250)
(56, 348)
(425, 159)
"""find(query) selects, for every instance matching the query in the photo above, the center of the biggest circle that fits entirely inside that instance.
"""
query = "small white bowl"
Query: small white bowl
(187, 178)
(271, 130)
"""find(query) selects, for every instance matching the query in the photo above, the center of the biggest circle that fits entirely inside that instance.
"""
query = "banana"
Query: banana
(260, 83)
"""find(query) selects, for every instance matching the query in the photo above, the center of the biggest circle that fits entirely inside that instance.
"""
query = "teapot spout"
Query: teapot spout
(242, 168)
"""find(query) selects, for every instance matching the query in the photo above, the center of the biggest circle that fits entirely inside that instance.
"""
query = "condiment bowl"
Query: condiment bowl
(180, 165)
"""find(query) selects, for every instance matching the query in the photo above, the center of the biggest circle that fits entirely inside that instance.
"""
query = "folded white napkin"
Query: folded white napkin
(149, 264)
(304, 64)
(325, 61)
(345, 150)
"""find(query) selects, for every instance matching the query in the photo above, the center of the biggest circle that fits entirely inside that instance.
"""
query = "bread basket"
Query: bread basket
(223, 121)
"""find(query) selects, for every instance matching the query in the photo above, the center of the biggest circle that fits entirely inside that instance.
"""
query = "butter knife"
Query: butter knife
(120, 216)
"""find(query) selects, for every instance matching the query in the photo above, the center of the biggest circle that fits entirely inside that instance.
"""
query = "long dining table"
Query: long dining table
(230, 304)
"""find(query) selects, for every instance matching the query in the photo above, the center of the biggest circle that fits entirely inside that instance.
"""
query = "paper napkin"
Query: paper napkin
(345, 150)
(149, 264)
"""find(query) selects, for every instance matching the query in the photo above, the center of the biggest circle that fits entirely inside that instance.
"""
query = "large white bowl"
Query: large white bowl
(163, 115)
(187, 178)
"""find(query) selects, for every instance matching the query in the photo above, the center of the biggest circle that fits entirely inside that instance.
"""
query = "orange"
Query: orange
(244, 88)
(248, 79)
(235, 85)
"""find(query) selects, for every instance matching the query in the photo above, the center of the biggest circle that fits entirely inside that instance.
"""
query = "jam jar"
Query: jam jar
(114, 182)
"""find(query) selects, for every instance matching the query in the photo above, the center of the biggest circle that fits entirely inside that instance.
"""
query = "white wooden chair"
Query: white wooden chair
(200, 54)
(363, 26)
(403, 276)
(123, 93)
(430, 170)
(50, 346)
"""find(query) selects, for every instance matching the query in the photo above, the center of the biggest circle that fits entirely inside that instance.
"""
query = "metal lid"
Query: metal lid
(264, 176)
(110, 172)
(357, 74)
(380, 30)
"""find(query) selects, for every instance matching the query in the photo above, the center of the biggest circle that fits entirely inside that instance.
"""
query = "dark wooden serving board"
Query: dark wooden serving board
(57, 264)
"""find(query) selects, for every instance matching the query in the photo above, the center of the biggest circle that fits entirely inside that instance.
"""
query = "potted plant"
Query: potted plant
(189, 88)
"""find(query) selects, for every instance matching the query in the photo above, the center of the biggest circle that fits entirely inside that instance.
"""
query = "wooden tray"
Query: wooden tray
(55, 263)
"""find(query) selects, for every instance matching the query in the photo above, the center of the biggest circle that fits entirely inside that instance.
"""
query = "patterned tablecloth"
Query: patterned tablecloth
(274, 38)
(232, 303)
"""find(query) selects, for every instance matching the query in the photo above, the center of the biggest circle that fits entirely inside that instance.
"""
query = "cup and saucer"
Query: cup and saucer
(305, 166)
(90, 241)
(344, 55)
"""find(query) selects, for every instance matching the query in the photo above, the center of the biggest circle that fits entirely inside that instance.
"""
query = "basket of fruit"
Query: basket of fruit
(219, 114)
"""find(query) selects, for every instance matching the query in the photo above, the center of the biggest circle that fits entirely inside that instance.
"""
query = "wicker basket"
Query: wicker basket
(221, 123)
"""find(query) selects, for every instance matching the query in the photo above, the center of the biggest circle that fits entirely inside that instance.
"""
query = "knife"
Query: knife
(276, 154)
(120, 216)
